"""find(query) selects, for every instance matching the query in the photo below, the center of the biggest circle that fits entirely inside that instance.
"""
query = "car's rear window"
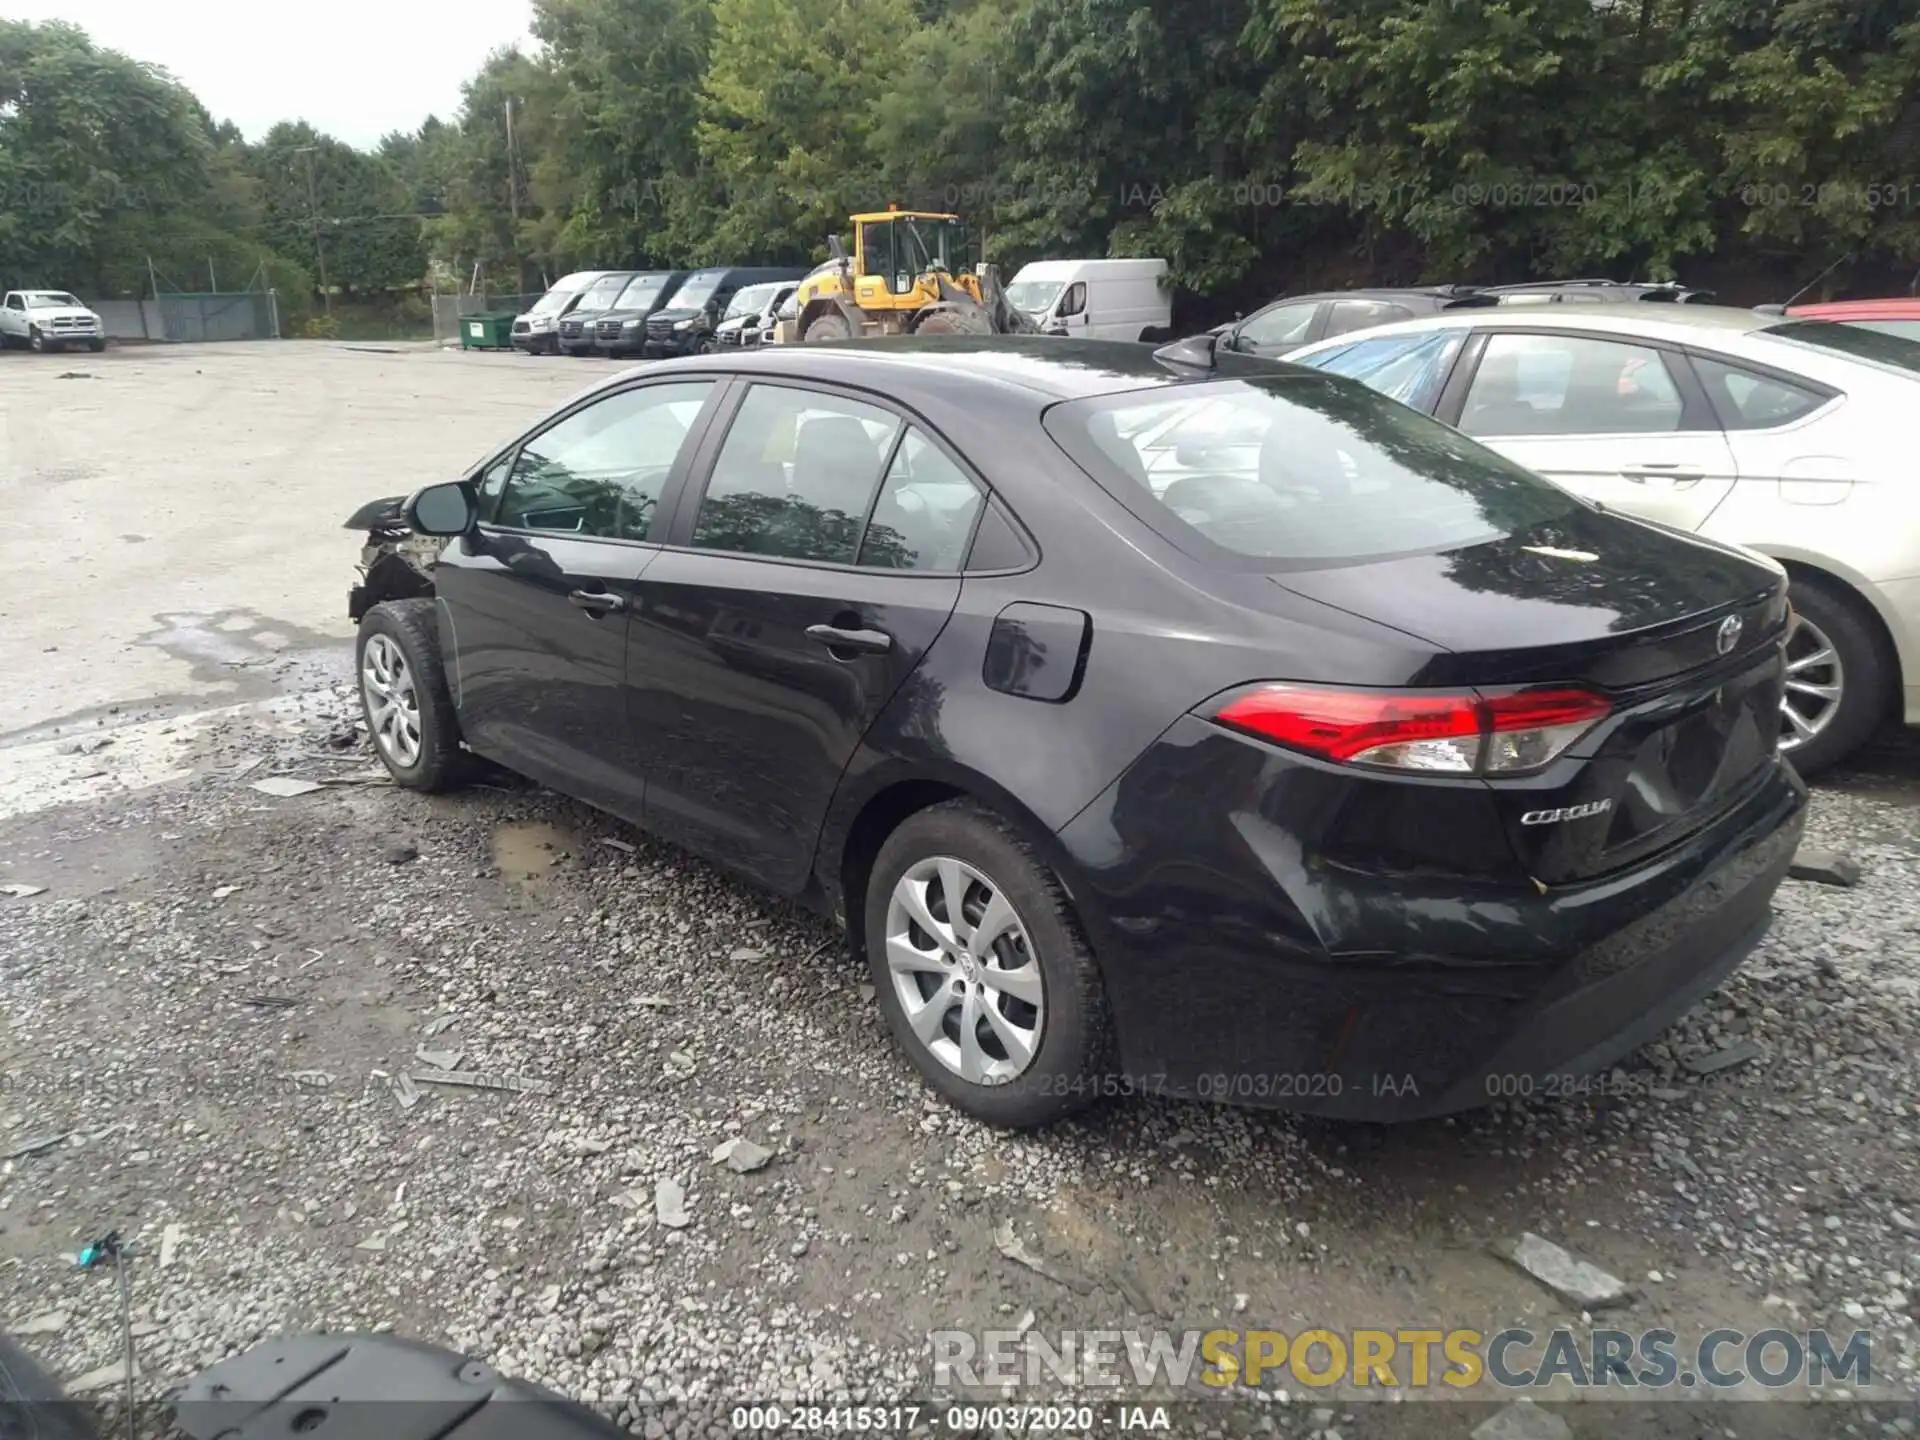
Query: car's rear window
(1905, 329)
(1298, 471)
(1855, 340)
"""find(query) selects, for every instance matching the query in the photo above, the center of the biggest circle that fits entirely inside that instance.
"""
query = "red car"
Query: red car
(1893, 317)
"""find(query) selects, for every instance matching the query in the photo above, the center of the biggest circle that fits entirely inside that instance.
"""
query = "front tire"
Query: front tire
(1839, 677)
(96, 346)
(36, 342)
(826, 326)
(954, 320)
(982, 971)
(403, 695)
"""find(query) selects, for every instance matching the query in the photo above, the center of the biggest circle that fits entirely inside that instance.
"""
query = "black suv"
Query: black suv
(685, 325)
(1296, 320)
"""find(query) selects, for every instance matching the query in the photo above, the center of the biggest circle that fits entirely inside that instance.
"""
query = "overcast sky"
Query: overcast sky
(353, 68)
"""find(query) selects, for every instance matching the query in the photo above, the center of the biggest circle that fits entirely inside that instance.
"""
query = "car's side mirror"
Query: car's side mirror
(446, 509)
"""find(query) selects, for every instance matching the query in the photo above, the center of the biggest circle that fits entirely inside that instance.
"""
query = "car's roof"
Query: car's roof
(1048, 367)
(1486, 295)
(1678, 323)
(1371, 292)
(1888, 309)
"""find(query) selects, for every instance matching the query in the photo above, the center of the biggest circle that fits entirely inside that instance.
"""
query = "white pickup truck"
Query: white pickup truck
(49, 320)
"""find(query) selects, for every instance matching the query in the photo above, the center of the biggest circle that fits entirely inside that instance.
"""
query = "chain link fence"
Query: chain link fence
(214, 315)
(243, 315)
(447, 310)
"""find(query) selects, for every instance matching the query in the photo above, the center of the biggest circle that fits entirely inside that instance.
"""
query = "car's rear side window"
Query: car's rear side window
(1298, 471)
(797, 476)
(924, 516)
(1745, 399)
(1346, 315)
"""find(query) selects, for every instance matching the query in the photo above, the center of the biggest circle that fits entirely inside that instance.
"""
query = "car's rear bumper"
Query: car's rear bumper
(1259, 972)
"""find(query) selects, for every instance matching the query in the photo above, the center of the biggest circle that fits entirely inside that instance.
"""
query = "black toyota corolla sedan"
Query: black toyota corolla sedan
(1156, 722)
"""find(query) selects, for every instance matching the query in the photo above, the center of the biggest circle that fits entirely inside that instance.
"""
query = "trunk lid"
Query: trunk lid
(1682, 635)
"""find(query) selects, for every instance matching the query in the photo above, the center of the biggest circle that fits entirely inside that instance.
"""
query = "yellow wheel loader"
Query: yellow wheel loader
(907, 276)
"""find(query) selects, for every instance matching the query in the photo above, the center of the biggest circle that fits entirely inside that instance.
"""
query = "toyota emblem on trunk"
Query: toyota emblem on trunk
(1729, 635)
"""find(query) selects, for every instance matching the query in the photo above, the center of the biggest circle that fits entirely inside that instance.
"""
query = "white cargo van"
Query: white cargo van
(1096, 299)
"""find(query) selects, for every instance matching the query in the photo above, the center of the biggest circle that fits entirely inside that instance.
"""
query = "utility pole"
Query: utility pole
(313, 216)
(513, 203)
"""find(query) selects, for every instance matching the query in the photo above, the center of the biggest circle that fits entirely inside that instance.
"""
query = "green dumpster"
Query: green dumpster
(488, 330)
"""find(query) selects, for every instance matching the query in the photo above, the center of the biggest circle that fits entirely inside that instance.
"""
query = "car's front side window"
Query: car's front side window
(600, 471)
(1531, 385)
(796, 476)
(1407, 368)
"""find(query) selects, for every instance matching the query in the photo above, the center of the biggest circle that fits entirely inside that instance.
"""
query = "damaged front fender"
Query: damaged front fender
(395, 563)
(378, 515)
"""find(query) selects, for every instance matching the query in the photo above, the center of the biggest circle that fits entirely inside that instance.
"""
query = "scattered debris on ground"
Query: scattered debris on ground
(616, 1041)
(1586, 1287)
(285, 787)
(1825, 867)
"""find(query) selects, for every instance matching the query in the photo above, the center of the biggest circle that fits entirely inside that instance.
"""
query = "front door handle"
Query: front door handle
(597, 602)
(867, 642)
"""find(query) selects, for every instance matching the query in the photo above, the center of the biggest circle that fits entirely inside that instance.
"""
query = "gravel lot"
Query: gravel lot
(664, 1008)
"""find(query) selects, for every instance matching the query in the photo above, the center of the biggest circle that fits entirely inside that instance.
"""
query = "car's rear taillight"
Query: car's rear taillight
(1446, 732)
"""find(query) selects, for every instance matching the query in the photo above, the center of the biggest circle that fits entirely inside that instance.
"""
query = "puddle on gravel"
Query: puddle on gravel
(527, 851)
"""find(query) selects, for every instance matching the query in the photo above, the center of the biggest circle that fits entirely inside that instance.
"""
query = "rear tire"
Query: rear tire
(827, 326)
(1054, 1063)
(403, 695)
(1862, 666)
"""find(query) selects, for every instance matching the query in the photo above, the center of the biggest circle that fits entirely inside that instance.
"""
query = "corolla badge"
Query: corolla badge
(1728, 636)
(1567, 812)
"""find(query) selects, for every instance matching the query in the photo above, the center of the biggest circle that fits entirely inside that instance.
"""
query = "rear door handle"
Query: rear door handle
(597, 602)
(1680, 475)
(869, 642)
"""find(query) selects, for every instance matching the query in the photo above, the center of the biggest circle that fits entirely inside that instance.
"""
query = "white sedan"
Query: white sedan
(1787, 436)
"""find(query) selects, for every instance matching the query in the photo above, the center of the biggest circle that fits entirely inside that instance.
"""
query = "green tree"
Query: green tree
(622, 158)
(1499, 136)
(1815, 132)
(323, 197)
(1130, 134)
(791, 120)
(94, 147)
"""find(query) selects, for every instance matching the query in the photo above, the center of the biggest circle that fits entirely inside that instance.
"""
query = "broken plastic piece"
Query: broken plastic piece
(285, 787)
